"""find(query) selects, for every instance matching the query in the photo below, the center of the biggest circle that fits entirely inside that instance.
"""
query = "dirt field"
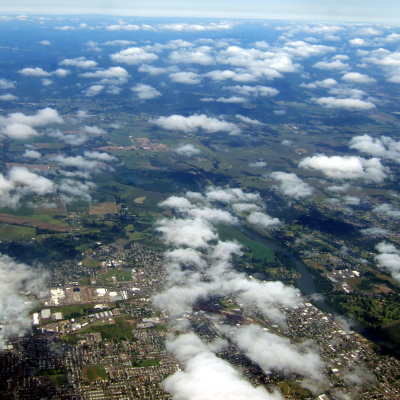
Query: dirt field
(103, 208)
(13, 219)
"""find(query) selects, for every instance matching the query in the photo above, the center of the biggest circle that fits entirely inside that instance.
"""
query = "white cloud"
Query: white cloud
(385, 147)
(47, 82)
(32, 154)
(5, 84)
(45, 42)
(273, 352)
(195, 122)
(219, 75)
(17, 278)
(80, 62)
(157, 70)
(263, 220)
(187, 149)
(34, 72)
(247, 120)
(112, 75)
(119, 43)
(233, 99)
(350, 104)
(185, 27)
(389, 258)
(93, 90)
(331, 65)
(96, 155)
(388, 210)
(189, 78)
(123, 27)
(145, 92)
(356, 77)
(347, 167)
(133, 56)
(20, 126)
(8, 97)
(326, 83)
(359, 42)
(200, 55)
(93, 130)
(291, 185)
(258, 164)
(206, 376)
(254, 90)
(374, 231)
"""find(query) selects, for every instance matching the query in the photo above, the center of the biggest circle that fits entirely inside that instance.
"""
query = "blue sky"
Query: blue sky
(351, 10)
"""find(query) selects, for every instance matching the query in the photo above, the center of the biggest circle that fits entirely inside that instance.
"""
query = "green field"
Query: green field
(78, 206)
(91, 263)
(16, 232)
(93, 372)
(258, 252)
(118, 331)
(146, 363)
(121, 276)
(73, 311)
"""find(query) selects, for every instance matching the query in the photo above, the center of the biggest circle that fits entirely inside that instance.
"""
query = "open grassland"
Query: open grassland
(31, 222)
(15, 232)
(103, 208)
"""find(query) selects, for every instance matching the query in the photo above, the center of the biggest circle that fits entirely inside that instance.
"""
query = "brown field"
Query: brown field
(24, 221)
(103, 208)
(30, 167)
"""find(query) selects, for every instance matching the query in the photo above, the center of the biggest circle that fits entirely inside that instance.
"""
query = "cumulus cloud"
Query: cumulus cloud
(112, 75)
(326, 83)
(93, 130)
(93, 90)
(187, 149)
(291, 185)
(263, 220)
(358, 42)
(272, 352)
(5, 84)
(32, 154)
(347, 167)
(347, 104)
(254, 90)
(20, 126)
(14, 307)
(374, 231)
(74, 140)
(96, 155)
(356, 77)
(195, 122)
(388, 210)
(201, 55)
(145, 92)
(232, 99)
(80, 162)
(148, 69)
(331, 65)
(80, 62)
(8, 97)
(219, 75)
(185, 27)
(41, 73)
(133, 56)
(389, 258)
(189, 78)
(206, 376)
(247, 120)
(385, 147)
(45, 42)
(258, 164)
